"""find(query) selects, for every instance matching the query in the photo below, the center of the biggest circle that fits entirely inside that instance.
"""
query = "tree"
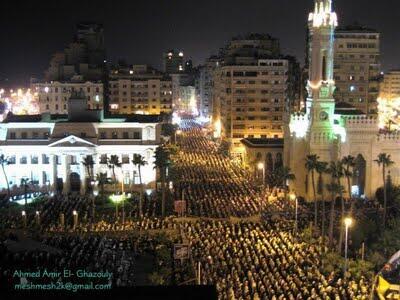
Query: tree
(162, 162)
(102, 180)
(349, 163)
(386, 161)
(5, 162)
(335, 170)
(321, 169)
(112, 163)
(88, 162)
(25, 184)
(311, 165)
(139, 161)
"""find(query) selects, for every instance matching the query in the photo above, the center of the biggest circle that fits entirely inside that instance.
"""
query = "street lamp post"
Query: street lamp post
(261, 166)
(75, 216)
(24, 218)
(37, 218)
(93, 183)
(177, 132)
(294, 198)
(347, 222)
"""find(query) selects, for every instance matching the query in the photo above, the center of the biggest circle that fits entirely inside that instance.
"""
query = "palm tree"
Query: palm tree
(336, 171)
(349, 163)
(333, 189)
(139, 161)
(321, 169)
(4, 162)
(102, 180)
(88, 162)
(311, 165)
(162, 162)
(25, 184)
(386, 161)
(112, 163)
(280, 176)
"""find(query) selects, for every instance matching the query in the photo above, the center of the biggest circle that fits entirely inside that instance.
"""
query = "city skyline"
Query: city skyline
(198, 31)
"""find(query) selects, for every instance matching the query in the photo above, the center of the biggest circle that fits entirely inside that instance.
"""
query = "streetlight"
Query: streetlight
(24, 218)
(261, 166)
(93, 183)
(38, 218)
(347, 222)
(177, 132)
(75, 216)
(293, 197)
(116, 199)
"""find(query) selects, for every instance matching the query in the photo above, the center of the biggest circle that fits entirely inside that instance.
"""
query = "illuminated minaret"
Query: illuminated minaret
(320, 102)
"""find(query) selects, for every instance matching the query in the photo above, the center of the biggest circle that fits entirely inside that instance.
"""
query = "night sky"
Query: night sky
(139, 31)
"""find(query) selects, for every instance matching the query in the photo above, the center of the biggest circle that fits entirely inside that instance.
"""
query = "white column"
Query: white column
(65, 172)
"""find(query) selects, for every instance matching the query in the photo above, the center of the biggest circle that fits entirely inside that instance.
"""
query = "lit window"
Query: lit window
(352, 88)
(97, 98)
(46, 89)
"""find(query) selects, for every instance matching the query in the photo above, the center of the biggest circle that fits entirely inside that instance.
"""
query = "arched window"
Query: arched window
(359, 173)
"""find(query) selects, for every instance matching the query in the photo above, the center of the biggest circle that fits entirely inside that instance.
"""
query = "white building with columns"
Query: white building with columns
(331, 130)
(49, 149)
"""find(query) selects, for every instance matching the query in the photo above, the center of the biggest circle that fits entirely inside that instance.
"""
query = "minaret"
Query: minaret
(320, 102)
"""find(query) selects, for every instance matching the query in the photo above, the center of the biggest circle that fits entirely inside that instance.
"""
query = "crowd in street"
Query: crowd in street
(264, 261)
(243, 259)
(213, 184)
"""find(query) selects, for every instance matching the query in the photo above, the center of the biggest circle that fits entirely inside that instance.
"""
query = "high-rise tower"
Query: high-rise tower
(320, 102)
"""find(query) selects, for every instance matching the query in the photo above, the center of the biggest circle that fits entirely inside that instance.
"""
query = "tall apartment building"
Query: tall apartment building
(251, 101)
(53, 96)
(254, 89)
(84, 57)
(357, 67)
(173, 62)
(204, 86)
(390, 87)
(139, 89)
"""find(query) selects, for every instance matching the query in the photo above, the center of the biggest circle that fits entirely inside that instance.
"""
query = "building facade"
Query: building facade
(250, 101)
(58, 144)
(333, 131)
(390, 87)
(53, 96)
(204, 86)
(357, 67)
(173, 62)
(84, 57)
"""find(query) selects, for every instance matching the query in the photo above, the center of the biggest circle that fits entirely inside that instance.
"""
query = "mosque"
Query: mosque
(333, 131)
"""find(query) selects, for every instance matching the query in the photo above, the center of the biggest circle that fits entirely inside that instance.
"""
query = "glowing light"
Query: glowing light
(298, 125)
(181, 54)
(217, 129)
(389, 113)
(97, 98)
(175, 118)
(260, 166)
(117, 198)
(131, 72)
(114, 106)
(23, 213)
(22, 102)
(352, 88)
(46, 89)
(180, 68)
(74, 213)
(348, 221)
(37, 213)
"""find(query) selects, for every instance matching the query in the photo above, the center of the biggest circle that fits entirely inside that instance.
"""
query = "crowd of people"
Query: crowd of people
(265, 261)
(243, 259)
(213, 184)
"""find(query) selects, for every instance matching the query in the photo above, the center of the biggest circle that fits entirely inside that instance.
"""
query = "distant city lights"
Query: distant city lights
(22, 102)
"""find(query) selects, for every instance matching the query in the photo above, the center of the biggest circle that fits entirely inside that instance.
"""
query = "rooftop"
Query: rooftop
(355, 28)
